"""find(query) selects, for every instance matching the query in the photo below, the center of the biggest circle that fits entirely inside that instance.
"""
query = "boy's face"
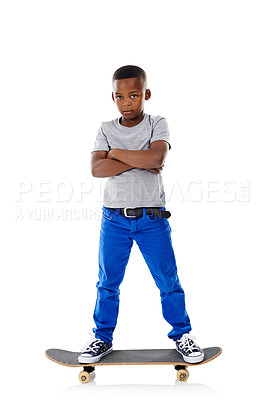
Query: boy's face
(129, 96)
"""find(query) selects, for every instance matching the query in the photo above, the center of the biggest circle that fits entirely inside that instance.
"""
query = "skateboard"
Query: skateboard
(132, 357)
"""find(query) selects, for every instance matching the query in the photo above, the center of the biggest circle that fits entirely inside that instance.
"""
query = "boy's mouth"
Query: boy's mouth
(127, 112)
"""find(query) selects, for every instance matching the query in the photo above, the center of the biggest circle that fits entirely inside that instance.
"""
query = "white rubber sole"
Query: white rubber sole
(192, 359)
(86, 359)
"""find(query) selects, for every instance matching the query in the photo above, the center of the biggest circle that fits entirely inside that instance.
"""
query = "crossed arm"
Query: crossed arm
(116, 161)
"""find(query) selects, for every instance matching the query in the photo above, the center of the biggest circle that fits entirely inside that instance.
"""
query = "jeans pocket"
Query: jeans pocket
(108, 214)
(153, 218)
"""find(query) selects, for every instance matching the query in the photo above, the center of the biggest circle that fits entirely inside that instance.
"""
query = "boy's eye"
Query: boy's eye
(132, 96)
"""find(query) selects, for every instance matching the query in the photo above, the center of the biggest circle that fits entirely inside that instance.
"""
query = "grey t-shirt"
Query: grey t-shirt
(137, 187)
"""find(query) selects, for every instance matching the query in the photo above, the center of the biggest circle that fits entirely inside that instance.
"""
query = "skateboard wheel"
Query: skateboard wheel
(182, 375)
(84, 377)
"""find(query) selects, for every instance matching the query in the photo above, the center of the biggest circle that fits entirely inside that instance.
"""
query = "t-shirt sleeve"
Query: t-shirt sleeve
(101, 142)
(160, 131)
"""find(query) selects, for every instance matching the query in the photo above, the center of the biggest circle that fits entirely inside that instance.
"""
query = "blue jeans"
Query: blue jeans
(153, 237)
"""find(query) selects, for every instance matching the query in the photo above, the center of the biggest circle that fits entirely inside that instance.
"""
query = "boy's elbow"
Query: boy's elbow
(94, 171)
(159, 151)
(158, 161)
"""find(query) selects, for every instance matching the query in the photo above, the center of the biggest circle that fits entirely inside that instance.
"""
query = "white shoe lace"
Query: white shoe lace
(188, 342)
(92, 344)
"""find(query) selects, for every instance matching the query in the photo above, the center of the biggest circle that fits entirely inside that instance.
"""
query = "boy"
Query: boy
(131, 151)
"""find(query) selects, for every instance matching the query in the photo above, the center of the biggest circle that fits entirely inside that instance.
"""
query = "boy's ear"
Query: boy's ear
(113, 97)
(147, 94)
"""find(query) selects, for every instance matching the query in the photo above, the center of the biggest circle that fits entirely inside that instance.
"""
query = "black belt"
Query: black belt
(138, 212)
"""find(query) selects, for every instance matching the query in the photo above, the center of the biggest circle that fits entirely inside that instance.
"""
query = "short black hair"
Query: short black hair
(130, 71)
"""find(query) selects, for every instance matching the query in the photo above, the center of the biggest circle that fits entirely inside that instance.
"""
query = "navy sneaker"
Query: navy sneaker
(189, 349)
(94, 351)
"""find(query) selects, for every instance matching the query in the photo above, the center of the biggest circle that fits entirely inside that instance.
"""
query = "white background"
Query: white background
(205, 62)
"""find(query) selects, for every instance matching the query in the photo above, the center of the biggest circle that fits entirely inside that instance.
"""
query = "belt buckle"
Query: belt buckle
(129, 216)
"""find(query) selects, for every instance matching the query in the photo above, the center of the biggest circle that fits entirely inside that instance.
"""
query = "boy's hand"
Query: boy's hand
(109, 155)
(156, 170)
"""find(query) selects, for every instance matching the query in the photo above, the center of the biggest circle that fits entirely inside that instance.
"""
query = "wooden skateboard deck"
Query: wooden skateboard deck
(132, 357)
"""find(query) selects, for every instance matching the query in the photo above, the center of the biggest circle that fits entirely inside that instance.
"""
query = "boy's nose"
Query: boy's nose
(127, 102)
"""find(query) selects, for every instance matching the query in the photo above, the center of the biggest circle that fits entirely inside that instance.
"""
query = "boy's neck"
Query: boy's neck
(131, 122)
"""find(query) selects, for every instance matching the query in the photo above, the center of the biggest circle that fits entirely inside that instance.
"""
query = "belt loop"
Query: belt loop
(117, 211)
(144, 212)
